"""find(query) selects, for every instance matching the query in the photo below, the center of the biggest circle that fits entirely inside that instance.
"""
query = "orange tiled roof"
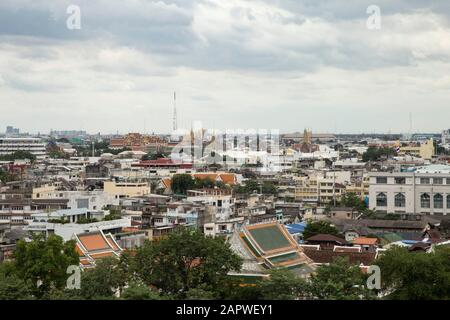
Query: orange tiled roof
(79, 251)
(365, 241)
(212, 176)
(102, 255)
(112, 243)
(167, 182)
(85, 262)
(228, 178)
(93, 242)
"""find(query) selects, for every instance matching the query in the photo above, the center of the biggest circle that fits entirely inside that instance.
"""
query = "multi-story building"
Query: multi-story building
(446, 136)
(423, 150)
(423, 191)
(360, 187)
(33, 145)
(126, 189)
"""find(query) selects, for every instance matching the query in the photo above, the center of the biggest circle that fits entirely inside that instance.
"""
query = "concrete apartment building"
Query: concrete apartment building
(424, 191)
(126, 189)
(33, 145)
(425, 150)
(446, 136)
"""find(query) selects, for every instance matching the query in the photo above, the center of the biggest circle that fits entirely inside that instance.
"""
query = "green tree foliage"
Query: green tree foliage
(6, 176)
(200, 293)
(12, 287)
(100, 147)
(139, 291)
(269, 188)
(339, 281)
(319, 227)
(376, 154)
(182, 182)
(186, 259)
(204, 183)
(18, 155)
(45, 260)
(84, 220)
(415, 275)
(253, 185)
(351, 200)
(103, 281)
(283, 285)
(154, 155)
(114, 214)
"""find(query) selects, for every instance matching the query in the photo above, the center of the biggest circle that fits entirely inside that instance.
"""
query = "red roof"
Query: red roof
(162, 162)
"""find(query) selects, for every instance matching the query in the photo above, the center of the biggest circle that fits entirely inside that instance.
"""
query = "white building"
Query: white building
(92, 200)
(425, 190)
(49, 223)
(33, 145)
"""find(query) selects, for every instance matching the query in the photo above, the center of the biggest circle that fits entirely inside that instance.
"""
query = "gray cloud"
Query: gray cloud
(286, 63)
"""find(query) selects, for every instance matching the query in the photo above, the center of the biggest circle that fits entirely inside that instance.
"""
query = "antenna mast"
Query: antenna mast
(175, 125)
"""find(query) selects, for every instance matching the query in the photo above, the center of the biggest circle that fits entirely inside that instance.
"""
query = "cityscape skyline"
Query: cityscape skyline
(186, 152)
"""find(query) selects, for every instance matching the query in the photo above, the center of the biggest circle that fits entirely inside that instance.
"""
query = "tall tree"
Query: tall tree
(44, 262)
(186, 259)
(139, 291)
(339, 281)
(12, 287)
(351, 200)
(415, 275)
(283, 285)
(103, 281)
(182, 182)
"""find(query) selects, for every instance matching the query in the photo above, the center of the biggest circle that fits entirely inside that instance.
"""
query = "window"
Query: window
(438, 181)
(425, 200)
(382, 180)
(438, 201)
(424, 180)
(400, 200)
(448, 201)
(400, 180)
(381, 200)
(448, 180)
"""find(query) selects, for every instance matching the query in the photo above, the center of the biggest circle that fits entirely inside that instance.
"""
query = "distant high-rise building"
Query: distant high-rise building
(446, 136)
(68, 134)
(10, 130)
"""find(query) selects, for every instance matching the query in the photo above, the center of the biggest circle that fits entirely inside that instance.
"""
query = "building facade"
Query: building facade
(33, 145)
(421, 192)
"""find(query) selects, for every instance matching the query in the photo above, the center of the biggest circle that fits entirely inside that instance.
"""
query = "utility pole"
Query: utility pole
(334, 187)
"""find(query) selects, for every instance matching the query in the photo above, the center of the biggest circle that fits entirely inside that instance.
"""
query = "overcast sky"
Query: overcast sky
(268, 64)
